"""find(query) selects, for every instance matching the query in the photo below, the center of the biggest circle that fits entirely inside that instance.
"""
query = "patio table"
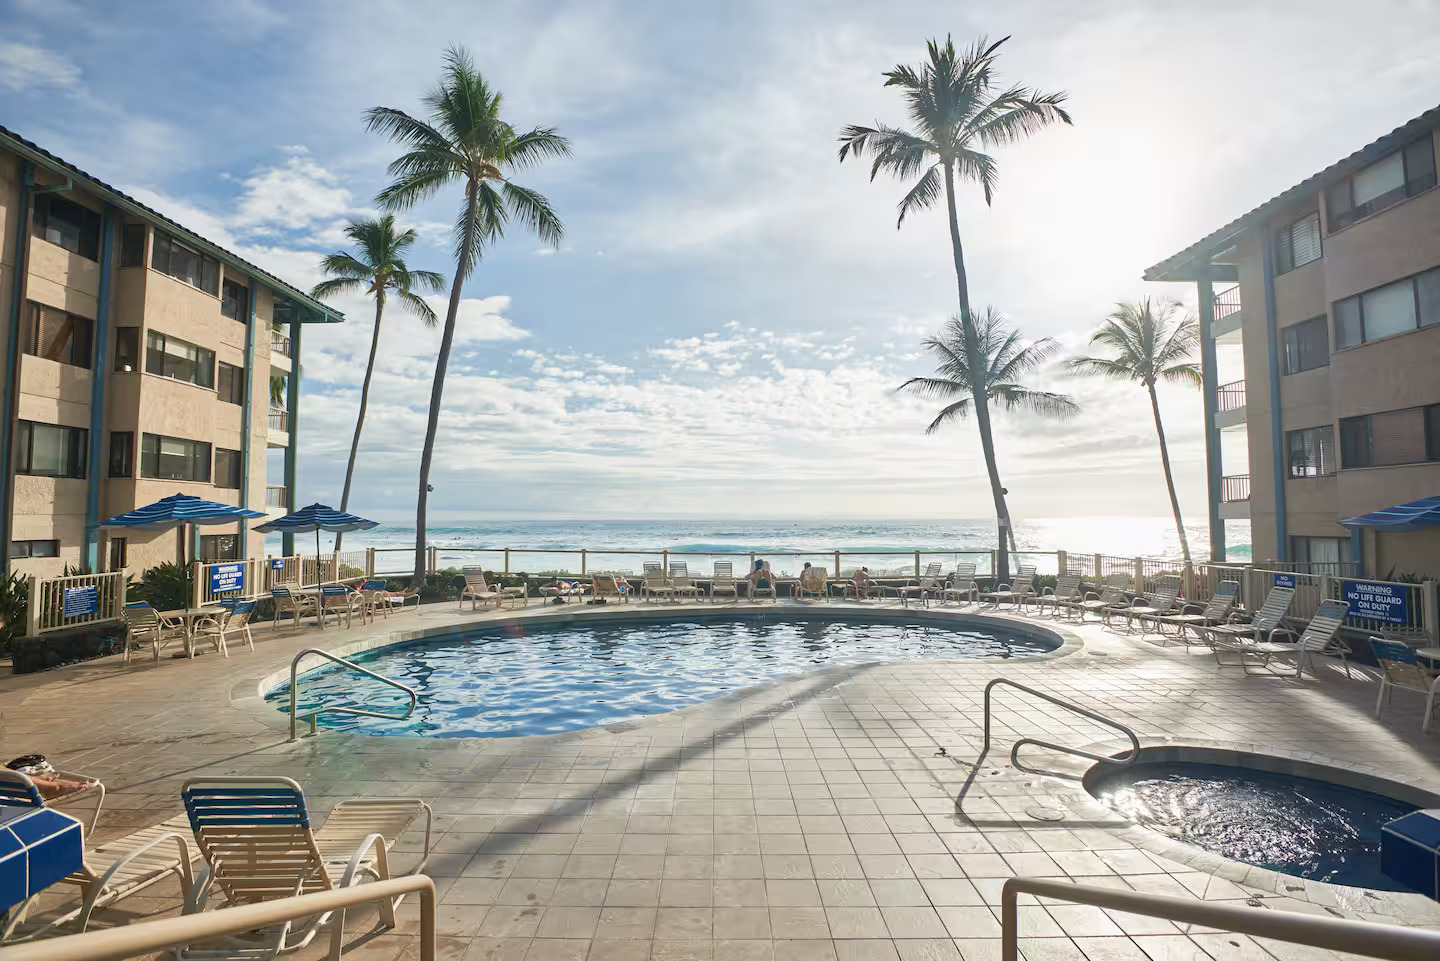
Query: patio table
(188, 616)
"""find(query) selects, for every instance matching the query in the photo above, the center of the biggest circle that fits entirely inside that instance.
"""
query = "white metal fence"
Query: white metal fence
(58, 603)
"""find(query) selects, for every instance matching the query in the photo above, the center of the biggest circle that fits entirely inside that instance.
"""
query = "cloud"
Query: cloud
(26, 68)
(291, 195)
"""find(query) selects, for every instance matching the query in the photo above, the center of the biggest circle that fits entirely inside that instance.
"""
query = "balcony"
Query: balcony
(279, 344)
(1230, 405)
(275, 497)
(1227, 313)
(1235, 497)
(279, 428)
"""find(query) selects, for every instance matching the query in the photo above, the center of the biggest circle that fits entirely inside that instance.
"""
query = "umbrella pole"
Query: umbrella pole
(318, 580)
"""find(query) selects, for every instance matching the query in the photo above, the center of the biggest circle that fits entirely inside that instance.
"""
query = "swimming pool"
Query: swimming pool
(571, 676)
(1286, 822)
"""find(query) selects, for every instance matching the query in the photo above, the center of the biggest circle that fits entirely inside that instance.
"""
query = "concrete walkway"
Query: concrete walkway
(812, 819)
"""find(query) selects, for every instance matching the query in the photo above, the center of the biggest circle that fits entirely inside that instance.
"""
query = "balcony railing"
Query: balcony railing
(1235, 487)
(1230, 396)
(280, 344)
(1227, 302)
(280, 421)
(275, 496)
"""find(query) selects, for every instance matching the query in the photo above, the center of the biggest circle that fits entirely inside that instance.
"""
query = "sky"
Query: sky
(723, 328)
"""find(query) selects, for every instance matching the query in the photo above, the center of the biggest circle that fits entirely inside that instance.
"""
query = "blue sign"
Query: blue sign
(1284, 580)
(1378, 602)
(277, 564)
(82, 601)
(227, 578)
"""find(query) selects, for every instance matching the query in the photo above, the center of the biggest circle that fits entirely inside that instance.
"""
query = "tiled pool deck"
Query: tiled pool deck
(810, 820)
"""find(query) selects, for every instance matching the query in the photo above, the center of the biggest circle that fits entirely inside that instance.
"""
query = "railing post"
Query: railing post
(1062, 563)
(1187, 582)
(1009, 925)
(198, 586)
(369, 562)
(994, 566)
(582, 562)
(665, 564)
(837, 563)
(507, 560)
(117, 613)
(32, 606)
(1139, 575)
(917, 565)
(1430, 610)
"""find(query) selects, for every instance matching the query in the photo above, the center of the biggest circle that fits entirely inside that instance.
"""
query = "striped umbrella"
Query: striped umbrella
(179, 510)
(317, 518)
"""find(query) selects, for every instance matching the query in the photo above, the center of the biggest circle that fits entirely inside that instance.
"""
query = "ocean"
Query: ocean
(795, 539)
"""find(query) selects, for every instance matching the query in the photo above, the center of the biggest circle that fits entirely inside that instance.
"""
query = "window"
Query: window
(1410, 436)
(173, 458)
(47, 450)
(23, 549)
(219, 547)
(122, 453)
(1311, 451)
(227, 468)
(1331, 553)
(67, 224)
(1306, 345)
(119, 554)
(182, 360)
(235, 301)
(1384, 183)
(58, 336)
(132, 246)
(1298, 243)
(127, 348)
(230, 383)
(1389, 310)
(185, 264)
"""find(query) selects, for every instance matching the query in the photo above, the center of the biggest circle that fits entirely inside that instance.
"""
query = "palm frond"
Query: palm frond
(343, 264)
(922, 196)
(933, 387)
(1101, 367)
(1187, 374)
(955, 411)
(531, 208)
(978, 168)
(418, 306)
(337, 286)
(425, 280)
(1014, 397)
(1016, 114)
(527, 150)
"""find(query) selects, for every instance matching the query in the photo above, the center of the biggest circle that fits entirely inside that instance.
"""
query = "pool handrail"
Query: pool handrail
(313, 716)
(1069, 706)
(1388, 941)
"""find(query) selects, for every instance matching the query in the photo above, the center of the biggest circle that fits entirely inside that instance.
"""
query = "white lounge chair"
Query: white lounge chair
(1197, 616)
(723, 580)
(654, 583)
(144, 626)
(258, 845)
(1266, 621)
(1112, 594)
(1320, 636)
(928, 584)
(477, 591)
(769, 578)
(1019, 593)
(609, 585)
(962, 584)
(1399, 667)
(1066, 591)
(814, 582)
(680, 581)
(1150, 605)
(110, 872)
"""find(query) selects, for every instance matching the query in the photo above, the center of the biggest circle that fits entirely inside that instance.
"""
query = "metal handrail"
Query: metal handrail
(315, 714)
(1069, 706)
(1391, 942)
(147, 937)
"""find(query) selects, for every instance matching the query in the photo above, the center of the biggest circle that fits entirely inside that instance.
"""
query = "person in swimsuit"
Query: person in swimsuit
(760, 576)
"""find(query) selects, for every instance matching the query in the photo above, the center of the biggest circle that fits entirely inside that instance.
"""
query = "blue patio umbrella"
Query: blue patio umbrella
(179, 510)
(1414, 516)
(317, 518)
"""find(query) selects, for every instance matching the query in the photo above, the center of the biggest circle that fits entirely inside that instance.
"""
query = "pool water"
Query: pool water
(1295, 825)
(572, 677)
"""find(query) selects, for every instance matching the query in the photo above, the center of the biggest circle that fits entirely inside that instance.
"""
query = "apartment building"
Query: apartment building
(141, 360)
(1332, 292)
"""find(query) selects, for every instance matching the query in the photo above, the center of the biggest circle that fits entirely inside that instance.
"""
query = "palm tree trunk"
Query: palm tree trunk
(360, 417)
(978, 389)
(1169, 478)
(437, 390)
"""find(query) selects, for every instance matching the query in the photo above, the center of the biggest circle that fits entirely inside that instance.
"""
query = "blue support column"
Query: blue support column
(95, 467)
(247, 416)
(12, 362)
(1277, 426)
(292, 401)
(1214, 465)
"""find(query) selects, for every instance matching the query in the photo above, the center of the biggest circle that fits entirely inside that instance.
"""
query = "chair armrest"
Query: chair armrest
(1091, 596)
(1185, 608)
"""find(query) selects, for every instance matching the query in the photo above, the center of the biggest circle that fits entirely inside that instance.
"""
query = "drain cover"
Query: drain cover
(1044, 812)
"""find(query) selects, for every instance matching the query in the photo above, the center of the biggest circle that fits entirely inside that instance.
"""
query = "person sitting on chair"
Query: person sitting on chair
(761, 577)
(861, 582)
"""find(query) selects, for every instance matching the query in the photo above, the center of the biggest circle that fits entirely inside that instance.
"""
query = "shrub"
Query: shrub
(14, 602)
(165, 587)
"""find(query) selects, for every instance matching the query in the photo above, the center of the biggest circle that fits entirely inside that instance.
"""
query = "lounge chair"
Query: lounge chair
(1019, 593)
(723, 580)
(1399, 667)
(143, 625)
(390, 600)
(110, 872)
(609, 585)
(1320, 636)
(342, 602)
(1197, 616)
(1266, 621)
(1151, 605)
(680, 581)
(230, 623)
(769, 577)
(477, 591)
(1066, 591)
(562, 589)
(813, 581)
(287, 601)
(1112, 594)
(873, 588)
(962, 584)
(654, 584)
(928, 584)
(258, 845)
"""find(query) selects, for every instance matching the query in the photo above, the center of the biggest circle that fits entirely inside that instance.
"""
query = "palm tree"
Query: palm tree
(1150, 344)
(957, 112)
(379, 270)
(992, 370)
(465, 141)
